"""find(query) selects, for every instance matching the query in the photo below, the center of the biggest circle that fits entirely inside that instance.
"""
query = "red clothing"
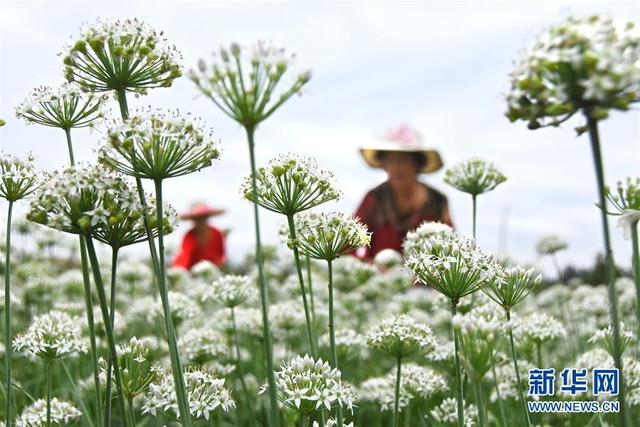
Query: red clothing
(388, 227)
(191, 252)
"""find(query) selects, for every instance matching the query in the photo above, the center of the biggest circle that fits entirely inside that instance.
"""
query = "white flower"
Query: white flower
(539, 328)
(604, 337)
(401, 336)
(202, 344)
(447, 413)
(308, 385)
(230, 290)
(205, 394)
(550, 244)
(416, 238)
(52, 336)
(18, 178)
(35, 415)
(474, 176)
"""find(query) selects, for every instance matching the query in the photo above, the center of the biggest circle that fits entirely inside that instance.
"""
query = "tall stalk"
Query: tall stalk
(112, 303)
(456, 345)
(474, 203)
(514, 356)
(102, 299)
(88, 300)
(48, 375)
(503, 419)
(477, 390)
(264, 298)
(592, 125)
(332, 332)
(176, 365)
(310, 286)
(635, 261)
(296, 255)
(7, 317)
(396, 400)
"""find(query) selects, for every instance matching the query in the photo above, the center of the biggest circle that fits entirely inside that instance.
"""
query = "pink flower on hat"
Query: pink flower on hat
(403, 134)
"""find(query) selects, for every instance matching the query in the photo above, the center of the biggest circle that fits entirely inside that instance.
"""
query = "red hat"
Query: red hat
(201, 210)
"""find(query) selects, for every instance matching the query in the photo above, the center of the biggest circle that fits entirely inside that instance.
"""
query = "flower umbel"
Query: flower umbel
(550, 244)
(474, 176)
(416, 238)
(401, 336)
(327, 236)
(67, 107)
(35, 415)
(512, 285)
(51, 336)
(157, 145)
(291, 184)
(122, 56)
(248, 86)
(18, 178)
(230, 290)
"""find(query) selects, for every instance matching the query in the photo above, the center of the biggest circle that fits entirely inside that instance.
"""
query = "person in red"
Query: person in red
(203, 241)
(402, 202)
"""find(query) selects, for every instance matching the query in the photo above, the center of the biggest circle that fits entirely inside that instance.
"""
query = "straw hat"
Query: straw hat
(402, 139)
(201, 210)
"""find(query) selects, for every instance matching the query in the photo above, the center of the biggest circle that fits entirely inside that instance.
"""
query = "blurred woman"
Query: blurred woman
(402, 202)
(203, 241)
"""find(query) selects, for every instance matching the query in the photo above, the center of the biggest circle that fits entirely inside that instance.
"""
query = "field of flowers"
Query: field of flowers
(306, 334)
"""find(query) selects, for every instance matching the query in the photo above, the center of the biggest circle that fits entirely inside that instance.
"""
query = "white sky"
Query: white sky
(440, 66)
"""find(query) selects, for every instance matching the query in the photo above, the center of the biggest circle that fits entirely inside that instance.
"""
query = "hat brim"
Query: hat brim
(434, 161)
(203, 214)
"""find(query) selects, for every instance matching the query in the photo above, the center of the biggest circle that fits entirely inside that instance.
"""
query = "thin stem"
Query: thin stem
(112, 303)
(332, 332)
(296, 256)
(48, 375)
(592, 124)
(132, 412)
(539, 355)
(478, 395)
(396, 401)
(122, 102)
(102, 299)
(310, 285)
(473, 202)
(88, 301)
(7, 317)
(500, 403)
(264, 301)
(519, 382)
(556, 266)
(236, 344)
(459, 391)
(635, 261)
(178, 378)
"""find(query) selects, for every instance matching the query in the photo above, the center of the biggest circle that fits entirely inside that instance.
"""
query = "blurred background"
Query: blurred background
(441, 67)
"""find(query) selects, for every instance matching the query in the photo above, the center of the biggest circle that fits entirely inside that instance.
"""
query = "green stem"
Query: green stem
(296, 256)
(7, 317)
(474, 203)
(539, 355)
(122, 102)
(592, 124)
(102, 299)
(88, 301)
(236, 344)
(132, 412)
(264, 301)
(310, 285)
(112, 303)
(557, 267)
(178, 377)
(519, 382)
(396, 400)
(635, 261)
(460, 394)
(478, 395)
(48, 375)
(332, 332)
(500, 403)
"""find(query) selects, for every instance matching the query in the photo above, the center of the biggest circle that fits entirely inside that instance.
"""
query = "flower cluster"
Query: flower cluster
(290, 184)
(245, 84)
(205, 392)
(415, 238)
(35, 415)
(604, 337)
(453, 265)
(158, 145)
(67, 107)
(549, 245)
(122, 56)
(18, 178)
(82, 199)
(51, 336)
(230, 290)
(202, 344)
(581, 63)
(446, 413)
(137, 369)
(512, 285)
(626, 203)
(539, 328)
(327, 236)
(474, 176)
(418, 383)
(307, 385)
(401, 336)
